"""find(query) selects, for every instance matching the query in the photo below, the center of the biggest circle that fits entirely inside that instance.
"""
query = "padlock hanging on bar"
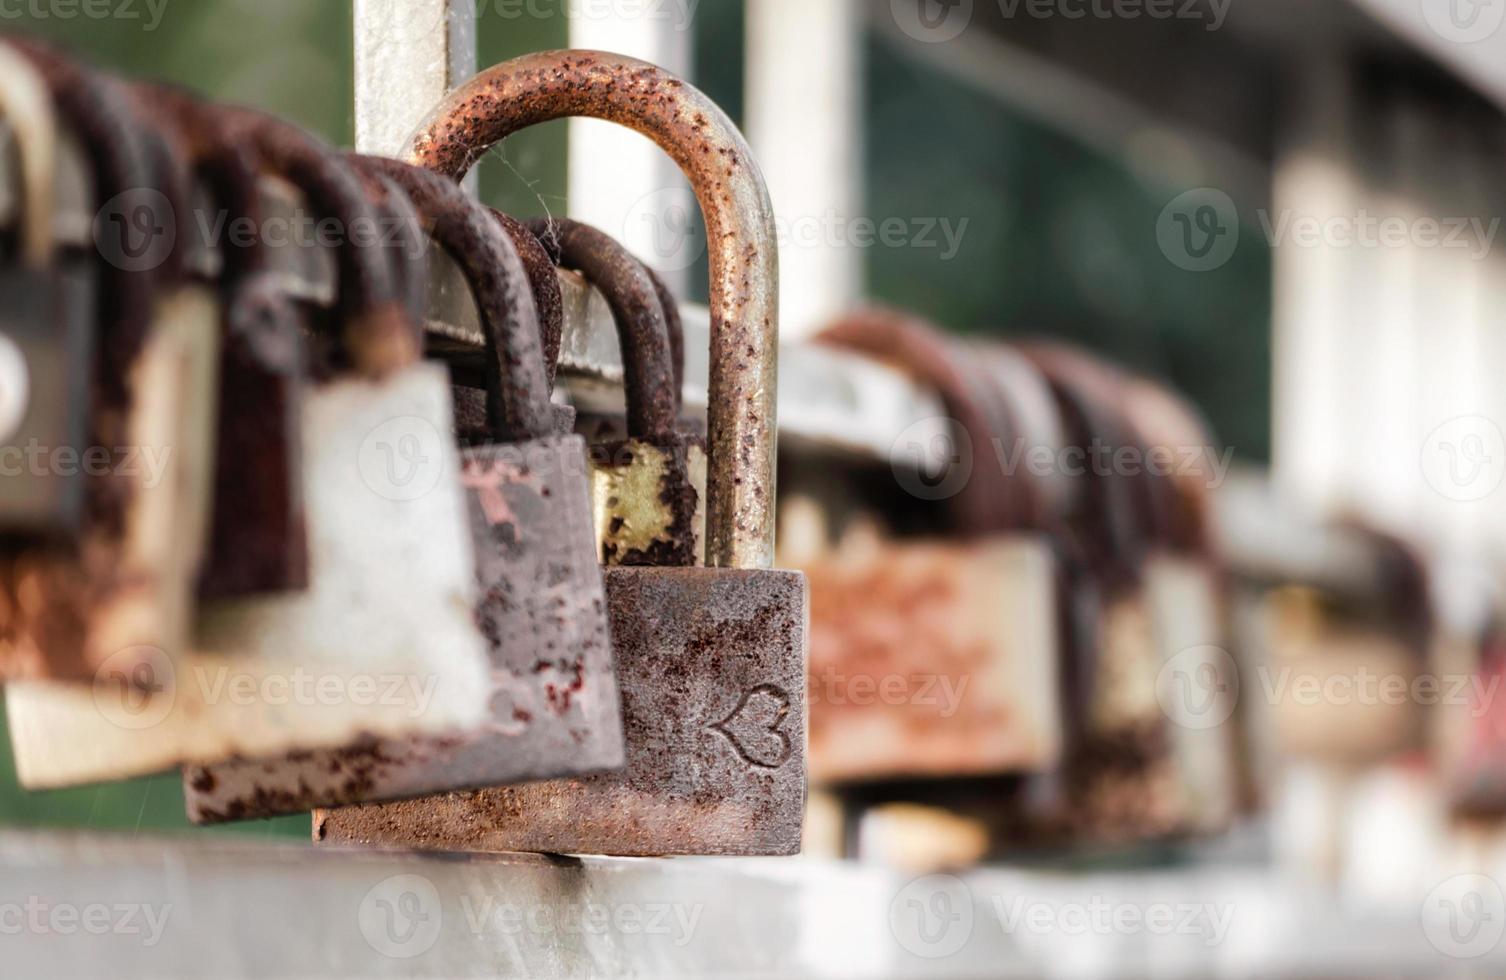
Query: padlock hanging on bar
(555, 709)
(971, 613)
(711, 661)
(112, 607)
(381, 643)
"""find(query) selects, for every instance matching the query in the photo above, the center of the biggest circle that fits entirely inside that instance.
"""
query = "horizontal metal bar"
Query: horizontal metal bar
(79, 905)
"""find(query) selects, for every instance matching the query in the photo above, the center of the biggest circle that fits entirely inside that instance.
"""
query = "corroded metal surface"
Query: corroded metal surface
(938, 657)
(517, 383)
(554, 702)
(739, 220)
(379, 335)
(548, 299)
(258, 541)
(644, 497)
(642, 333)
(553, 707)
(711, 665)
(935, 659)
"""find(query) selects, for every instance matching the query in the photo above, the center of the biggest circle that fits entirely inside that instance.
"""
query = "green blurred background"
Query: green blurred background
(1060, 241)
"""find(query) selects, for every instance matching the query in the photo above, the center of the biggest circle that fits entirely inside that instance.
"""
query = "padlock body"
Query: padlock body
(383, 643)
(935, 659)
(711, 664)
(46, 365)
(648, 501)
(1196, 685)
(259, 538)
(554, 707)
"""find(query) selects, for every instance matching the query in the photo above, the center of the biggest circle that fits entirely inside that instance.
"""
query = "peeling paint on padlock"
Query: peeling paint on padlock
(554, 708)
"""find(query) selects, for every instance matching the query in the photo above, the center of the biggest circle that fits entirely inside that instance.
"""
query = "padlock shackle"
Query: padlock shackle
(97, 109)
(1038, 423)
(548, 298)
(698, 136)
(1163, 419)
(225, 168)
(407, 249)
(380, 336)
(1129, 509)
(517, 390)
(26, 107)
(638, 311)
(918, 349)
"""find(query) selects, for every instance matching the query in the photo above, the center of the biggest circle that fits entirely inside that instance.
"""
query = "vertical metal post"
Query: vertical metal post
(409, 55)
(619, 181)
(804, 92)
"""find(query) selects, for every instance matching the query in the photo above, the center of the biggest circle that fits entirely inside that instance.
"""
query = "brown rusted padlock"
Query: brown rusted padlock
(110, 605)
(645, 488)
(1120, 780)
(938, 656)
(711, 661)
(381, 642)
(554, 703)
(258, 538)
(46, 335)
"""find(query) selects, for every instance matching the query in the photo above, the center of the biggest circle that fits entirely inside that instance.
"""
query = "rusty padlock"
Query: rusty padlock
(1120, 778)
(258, 541)
(46, 329)
(646, 488)
(937, 656)
(111, 606)
(378, 453)
(380, 643)
(1197, 685)
(710, 661)
(554, 703)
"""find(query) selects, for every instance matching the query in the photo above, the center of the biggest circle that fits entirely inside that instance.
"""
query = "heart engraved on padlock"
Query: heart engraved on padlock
(691, 643)
(554, 702)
